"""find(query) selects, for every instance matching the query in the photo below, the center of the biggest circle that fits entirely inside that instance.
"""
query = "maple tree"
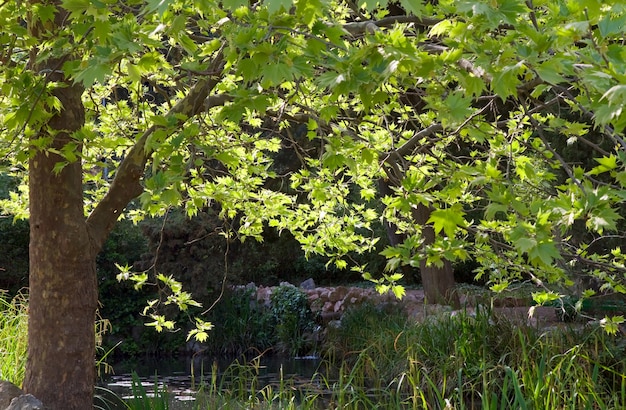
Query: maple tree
(496, 129)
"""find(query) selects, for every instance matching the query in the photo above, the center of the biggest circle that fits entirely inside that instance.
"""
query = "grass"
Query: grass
(379, 359)
(13, 338)
(382, 360)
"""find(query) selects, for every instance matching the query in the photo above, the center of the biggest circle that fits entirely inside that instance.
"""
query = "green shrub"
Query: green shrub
(14, 239)
(293, 318)
(241, 324)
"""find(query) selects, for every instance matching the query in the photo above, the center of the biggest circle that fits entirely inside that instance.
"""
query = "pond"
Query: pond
(183, 377)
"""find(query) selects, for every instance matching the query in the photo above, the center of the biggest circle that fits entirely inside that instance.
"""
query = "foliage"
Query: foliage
(242, 325)
(456, 104)
(474, 128)
(292, 317)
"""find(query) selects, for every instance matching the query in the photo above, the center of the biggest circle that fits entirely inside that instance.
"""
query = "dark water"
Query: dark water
(182, 377)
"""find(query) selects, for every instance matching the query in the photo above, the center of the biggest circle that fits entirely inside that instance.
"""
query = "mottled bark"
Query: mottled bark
(60, 368)
(63, 293)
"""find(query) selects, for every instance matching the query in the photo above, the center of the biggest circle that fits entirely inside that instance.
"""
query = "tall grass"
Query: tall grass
(479, 361)
(380, 359)
(13, 338)
(384, 361)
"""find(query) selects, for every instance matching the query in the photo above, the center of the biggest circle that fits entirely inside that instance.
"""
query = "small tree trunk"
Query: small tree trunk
(439, 284)
(395, 238)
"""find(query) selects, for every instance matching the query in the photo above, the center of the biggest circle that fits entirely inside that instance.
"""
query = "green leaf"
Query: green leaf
(275, 74)
(550, 71)
(603, 218)
(276, 5)
(524, 245)
(447, 220)
(612, 24)
(94, 72)
(493, 208)
(458, 106)
(611, 324)
(542, 298)
(616, 95)
(413, 6)
(505, 81)
(606, 164)
(398, 291)
(441, 28)
(544, 253)
(499, 287)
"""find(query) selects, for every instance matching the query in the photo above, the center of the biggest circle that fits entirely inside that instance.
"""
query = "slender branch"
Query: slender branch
(408, 146)
(361, 27)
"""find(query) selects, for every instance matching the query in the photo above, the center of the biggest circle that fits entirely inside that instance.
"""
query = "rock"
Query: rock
(338, 294)
(308, 284)
(263, 296)
(8, 391)
(25, 402)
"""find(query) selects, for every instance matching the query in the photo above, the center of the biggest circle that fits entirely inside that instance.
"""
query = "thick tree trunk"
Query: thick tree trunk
(60, 368)
(63, 289)
(439, 284)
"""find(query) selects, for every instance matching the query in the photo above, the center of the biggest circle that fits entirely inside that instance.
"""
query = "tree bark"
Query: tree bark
(60, 368)
(63, 295)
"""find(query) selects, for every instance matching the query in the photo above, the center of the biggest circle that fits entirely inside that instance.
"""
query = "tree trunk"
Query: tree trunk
(410, 273)
(60, 368)
(439, 284)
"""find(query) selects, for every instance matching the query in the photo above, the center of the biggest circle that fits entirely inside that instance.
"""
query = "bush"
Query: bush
(14, 239)
(293, 317)
(241, 324)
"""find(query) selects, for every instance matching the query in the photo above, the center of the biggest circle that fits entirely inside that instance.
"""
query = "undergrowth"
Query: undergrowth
(13, 338)
(383, 360)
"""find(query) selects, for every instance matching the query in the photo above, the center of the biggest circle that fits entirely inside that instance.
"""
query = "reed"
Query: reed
(13, 338)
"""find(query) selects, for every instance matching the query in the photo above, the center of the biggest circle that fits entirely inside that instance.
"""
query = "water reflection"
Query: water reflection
(182, 377)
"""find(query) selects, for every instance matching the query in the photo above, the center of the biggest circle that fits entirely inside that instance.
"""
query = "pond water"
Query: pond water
(182, 377)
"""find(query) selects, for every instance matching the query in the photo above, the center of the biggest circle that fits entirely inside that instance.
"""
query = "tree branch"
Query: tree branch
(360, 27)
(127, 182)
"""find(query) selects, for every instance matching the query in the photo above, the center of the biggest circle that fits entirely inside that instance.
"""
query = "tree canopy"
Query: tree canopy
(496, 127)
